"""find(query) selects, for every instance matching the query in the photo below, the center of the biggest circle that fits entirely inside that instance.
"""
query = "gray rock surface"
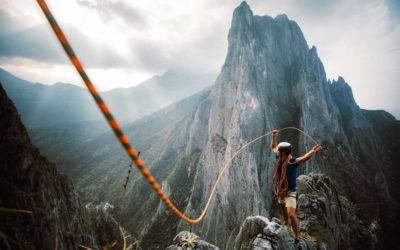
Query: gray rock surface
(198, 244)
(29, 182)
(57, 218)
(252, 226)
(108, 230)
(331, 218)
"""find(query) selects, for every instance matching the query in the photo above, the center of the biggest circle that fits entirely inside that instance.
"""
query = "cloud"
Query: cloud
(202, 49)
(39, 43)
(119, 11)
(35, 43)
(8, 24)
(151, 41)
(150, 56)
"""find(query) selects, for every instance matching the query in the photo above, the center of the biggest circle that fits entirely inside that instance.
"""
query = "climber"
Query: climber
(284, 179)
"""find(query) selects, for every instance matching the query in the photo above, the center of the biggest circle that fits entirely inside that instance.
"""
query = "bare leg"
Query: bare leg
(295, 222)
(284, 212)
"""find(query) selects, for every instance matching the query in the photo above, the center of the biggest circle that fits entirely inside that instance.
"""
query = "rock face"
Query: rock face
(388, 130)
(331, 218)
(28, 181)
(271, 79)
(57, 218)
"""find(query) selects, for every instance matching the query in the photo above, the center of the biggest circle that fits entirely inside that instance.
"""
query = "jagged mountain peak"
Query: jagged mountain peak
(342, 91)
(265, 41)
(282, 17)
(341, 80)
(242, 21)
(243, 8)
(313, 50)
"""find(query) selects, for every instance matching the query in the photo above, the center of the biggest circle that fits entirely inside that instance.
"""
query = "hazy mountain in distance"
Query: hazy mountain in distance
(155, 93)
(42, 105)
(46, 105)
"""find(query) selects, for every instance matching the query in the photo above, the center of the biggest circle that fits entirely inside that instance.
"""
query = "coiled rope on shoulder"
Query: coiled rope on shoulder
(280, 183)
(132, 153)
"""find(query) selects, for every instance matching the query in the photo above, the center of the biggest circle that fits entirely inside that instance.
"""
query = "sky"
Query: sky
(122, 43)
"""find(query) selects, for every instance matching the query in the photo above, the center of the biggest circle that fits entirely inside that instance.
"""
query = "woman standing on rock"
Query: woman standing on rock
(284, 179)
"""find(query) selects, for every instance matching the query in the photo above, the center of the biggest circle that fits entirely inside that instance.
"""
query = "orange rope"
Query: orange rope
(107, 114)
(132, 153)
(280, 183)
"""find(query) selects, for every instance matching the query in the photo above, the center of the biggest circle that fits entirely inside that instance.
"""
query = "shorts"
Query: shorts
(289, 199)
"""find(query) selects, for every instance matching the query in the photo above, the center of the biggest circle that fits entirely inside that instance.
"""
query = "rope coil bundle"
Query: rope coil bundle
(280, 183)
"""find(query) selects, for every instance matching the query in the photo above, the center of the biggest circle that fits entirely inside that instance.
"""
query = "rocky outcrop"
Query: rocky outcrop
(109, 233)
(274, 236)
(251, 228)
(190, 241)
(331, 218)
(327, 221)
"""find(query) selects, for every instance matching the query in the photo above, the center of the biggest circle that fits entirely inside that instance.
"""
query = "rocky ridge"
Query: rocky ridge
(327, 221)
(57, 219)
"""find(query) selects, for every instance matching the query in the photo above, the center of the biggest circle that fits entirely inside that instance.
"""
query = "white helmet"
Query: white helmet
(285, 147)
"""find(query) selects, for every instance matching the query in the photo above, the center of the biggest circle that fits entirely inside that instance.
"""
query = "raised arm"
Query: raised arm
(309, 154)
(274, 145)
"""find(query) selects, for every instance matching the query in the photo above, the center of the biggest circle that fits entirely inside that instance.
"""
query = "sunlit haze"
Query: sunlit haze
(122, 43)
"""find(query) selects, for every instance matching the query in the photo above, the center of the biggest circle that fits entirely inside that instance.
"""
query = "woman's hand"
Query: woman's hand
(317, 148)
